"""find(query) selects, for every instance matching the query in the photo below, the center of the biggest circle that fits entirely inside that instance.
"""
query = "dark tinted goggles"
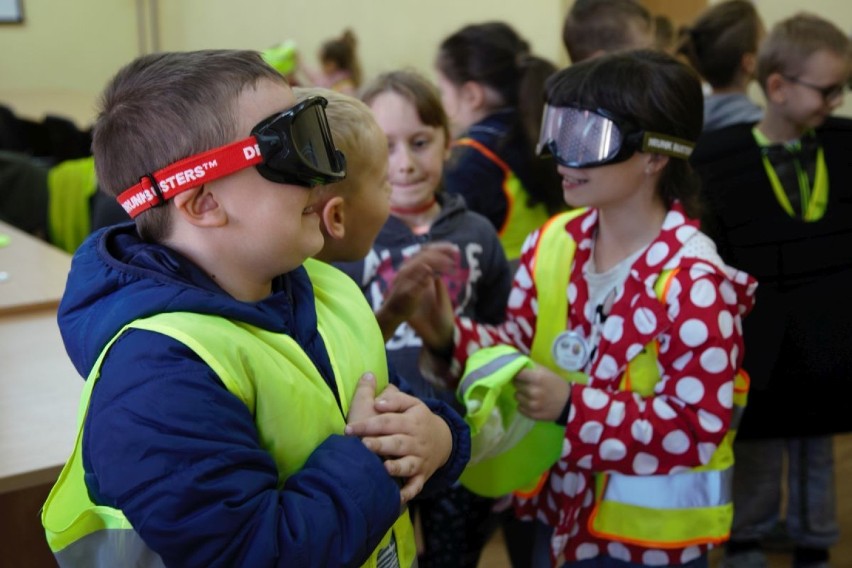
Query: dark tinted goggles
(297, 147)
(585, 138)
(292, 147)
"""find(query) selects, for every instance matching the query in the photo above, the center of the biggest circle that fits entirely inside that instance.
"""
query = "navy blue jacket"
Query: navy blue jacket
(165, 442)
(475, 177)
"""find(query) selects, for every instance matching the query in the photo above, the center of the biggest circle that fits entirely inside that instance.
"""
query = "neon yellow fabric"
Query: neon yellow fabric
(654, 524)
(267, 371)
(283, 57)
(521, 219)
(70, 186)
(814, 196)
(499, 463)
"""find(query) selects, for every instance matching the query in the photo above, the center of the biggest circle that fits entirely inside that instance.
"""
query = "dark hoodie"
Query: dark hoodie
(169, 445)
(478, 287)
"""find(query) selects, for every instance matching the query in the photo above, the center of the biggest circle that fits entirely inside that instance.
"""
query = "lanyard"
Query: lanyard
(812, 197)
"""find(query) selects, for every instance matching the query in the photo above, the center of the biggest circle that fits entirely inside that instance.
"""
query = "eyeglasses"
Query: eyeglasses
(291, 147)
(586, 138)
(828, 94)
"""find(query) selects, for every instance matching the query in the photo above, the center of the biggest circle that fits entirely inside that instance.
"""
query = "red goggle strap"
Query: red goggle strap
(154, 189)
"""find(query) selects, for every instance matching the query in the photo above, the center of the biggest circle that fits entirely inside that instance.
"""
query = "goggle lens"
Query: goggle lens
(297, 146)
(579, 137)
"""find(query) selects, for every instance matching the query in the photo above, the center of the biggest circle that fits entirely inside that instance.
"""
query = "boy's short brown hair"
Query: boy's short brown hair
(792, 41)
(593, 26)
(164, 107)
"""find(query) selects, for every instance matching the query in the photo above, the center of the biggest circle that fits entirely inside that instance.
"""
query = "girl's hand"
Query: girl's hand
(541, 393)
(412, 282)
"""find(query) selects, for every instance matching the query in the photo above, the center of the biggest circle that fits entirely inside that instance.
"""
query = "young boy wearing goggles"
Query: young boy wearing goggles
(226, 370)
(629, 323)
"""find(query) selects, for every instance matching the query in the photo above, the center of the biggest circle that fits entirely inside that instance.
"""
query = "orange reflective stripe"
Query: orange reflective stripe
(746, 379)
(485, 151)
(601, 482)
(510, 202)
(539, 485)
(668, 284)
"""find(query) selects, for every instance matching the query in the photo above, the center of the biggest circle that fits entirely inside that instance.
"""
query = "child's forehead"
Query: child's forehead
(827, 62)
(258, 102)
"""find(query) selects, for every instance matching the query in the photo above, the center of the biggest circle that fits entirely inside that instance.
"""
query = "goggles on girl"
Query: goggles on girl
(584, 138)
(293, 147)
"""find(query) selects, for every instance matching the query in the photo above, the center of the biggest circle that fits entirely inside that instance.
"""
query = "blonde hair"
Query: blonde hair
(354, 130)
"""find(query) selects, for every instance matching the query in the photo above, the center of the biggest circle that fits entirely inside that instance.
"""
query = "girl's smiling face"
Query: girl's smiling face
(416, 151)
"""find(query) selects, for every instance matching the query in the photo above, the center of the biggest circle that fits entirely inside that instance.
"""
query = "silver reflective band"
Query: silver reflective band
(486, 370)
(108, 548)
(693, 489)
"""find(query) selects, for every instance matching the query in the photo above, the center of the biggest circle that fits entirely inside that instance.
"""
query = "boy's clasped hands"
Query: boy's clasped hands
(399, 428)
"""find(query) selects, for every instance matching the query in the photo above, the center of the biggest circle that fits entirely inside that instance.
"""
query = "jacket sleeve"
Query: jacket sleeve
(166, 443)
(683, 422)
(479, 181)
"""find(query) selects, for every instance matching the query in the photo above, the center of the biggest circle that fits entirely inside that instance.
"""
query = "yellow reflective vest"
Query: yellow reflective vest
(267, 371)
(71, 185)
(521, 219)
(657, 511)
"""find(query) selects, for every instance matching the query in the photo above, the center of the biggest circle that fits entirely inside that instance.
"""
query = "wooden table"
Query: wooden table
(39, 392)
(32, 272)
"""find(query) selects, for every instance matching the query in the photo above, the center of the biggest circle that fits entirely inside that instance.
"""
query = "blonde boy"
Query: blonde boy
(354, 210)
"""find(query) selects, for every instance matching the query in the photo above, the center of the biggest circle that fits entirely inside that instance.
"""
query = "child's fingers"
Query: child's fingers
(405, 466)
(377, 425)
(413, 486)
(361, 406)
(391, 446)
(395, 401)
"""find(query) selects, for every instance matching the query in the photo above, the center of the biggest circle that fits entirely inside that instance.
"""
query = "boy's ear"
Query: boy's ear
(200, 207)
(776, 90)
(333, 215)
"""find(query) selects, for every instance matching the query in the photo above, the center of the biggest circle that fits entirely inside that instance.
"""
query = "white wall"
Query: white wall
(61, 57)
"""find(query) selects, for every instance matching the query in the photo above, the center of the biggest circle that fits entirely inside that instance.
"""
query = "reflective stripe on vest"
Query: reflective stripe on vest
(267, 371)
(521, 219)
(663, 511)
(508, 450)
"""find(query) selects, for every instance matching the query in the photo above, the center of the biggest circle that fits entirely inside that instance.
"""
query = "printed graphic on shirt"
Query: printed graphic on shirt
(380, 269)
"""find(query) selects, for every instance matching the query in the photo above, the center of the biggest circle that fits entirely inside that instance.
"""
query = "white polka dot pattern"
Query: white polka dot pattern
(678, 426)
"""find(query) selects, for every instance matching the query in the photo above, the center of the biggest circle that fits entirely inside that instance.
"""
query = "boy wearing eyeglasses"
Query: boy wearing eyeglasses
(237, 408)
(781, 209)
